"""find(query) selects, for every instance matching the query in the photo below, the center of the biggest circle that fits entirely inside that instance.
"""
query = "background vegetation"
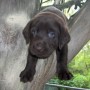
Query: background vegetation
(80, 67)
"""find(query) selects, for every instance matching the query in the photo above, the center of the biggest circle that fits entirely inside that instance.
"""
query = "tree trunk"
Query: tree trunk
(13, 51)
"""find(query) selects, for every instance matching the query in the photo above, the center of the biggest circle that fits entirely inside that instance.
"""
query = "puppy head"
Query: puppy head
(46, 32)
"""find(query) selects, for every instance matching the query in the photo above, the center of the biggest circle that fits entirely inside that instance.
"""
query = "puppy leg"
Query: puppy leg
(28, 73)
(62, 69)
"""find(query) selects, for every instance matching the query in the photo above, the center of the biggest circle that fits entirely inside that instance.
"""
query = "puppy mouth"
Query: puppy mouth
(41, 55)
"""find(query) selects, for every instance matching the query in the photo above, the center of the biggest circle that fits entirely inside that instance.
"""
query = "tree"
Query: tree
(14, 15)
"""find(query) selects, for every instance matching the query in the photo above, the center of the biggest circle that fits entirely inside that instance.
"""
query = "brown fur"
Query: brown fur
(46, 32)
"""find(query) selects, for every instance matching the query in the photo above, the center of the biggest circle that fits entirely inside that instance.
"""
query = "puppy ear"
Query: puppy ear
(64, 36)
(26, 33)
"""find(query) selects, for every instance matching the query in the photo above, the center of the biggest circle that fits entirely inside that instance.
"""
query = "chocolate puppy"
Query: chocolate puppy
(46, 32)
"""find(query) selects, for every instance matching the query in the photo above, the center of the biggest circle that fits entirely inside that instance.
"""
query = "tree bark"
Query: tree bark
(13, 51)
(79, 30)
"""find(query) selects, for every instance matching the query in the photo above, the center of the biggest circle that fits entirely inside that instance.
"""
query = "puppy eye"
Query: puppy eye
(34, 31)
(51, 34)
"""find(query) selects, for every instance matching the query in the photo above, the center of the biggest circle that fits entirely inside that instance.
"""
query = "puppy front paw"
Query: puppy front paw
(64, 75)
(26, 76)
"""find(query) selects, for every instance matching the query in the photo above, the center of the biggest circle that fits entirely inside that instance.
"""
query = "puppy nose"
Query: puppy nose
(39, 46)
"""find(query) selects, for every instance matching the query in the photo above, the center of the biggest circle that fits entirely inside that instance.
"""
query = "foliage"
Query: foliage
(80, 67)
